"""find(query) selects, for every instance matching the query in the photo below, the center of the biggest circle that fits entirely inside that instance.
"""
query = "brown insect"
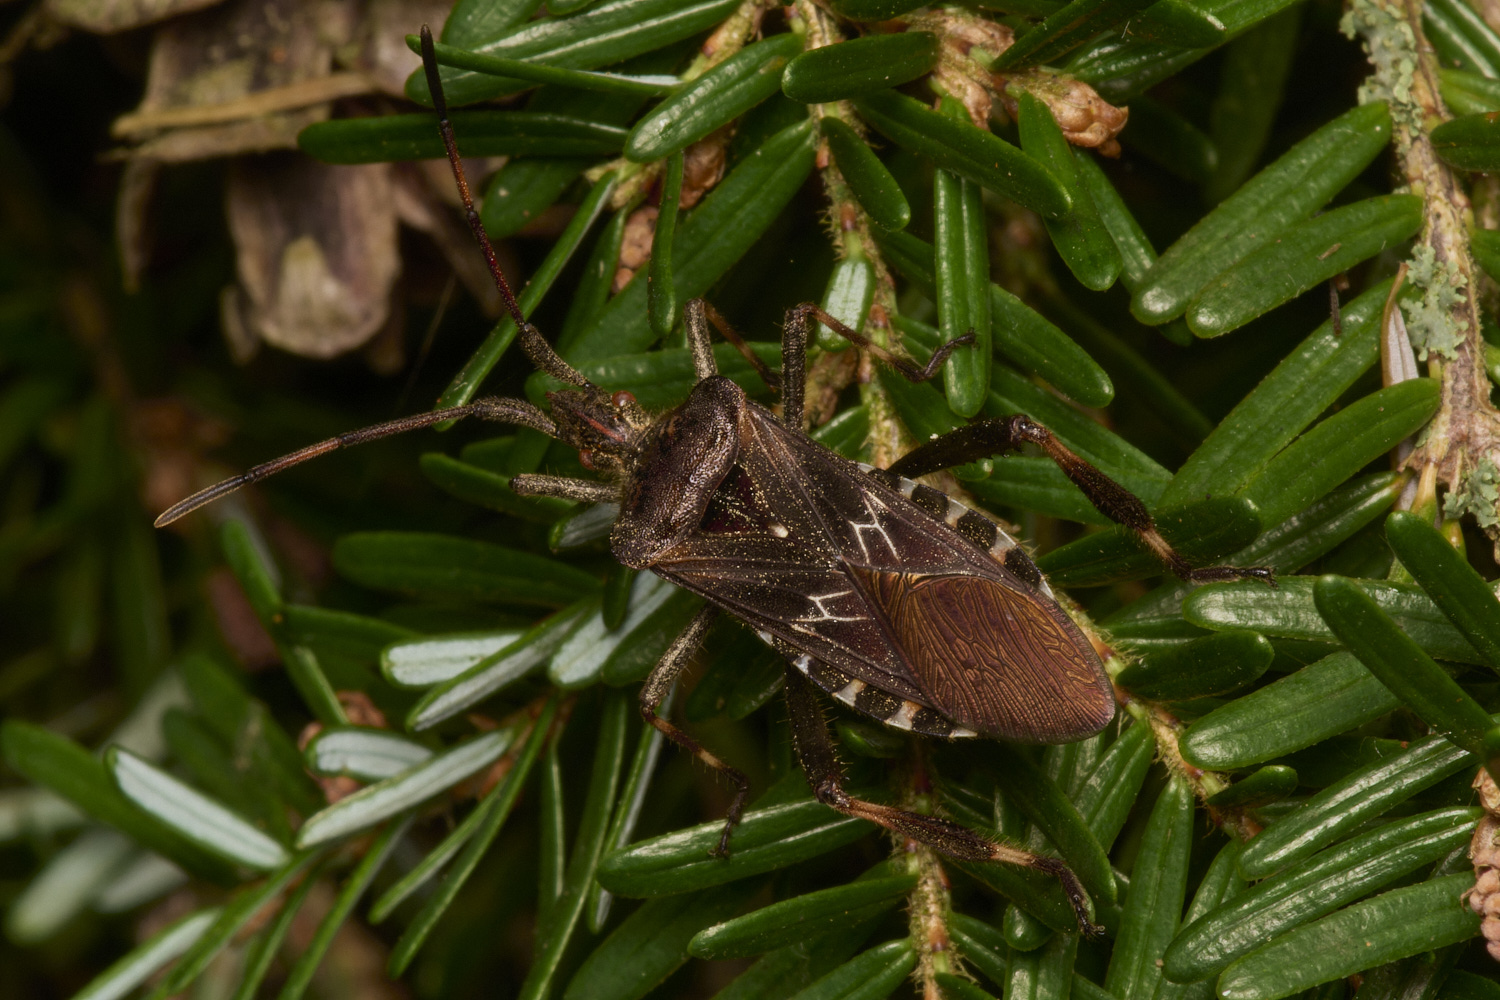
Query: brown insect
(892, 597)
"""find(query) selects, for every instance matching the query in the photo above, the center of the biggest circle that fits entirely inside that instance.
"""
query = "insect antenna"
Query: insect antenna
(510, 411)
(532, 342)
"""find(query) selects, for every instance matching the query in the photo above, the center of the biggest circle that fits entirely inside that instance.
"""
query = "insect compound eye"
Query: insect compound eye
(586, 458)
(622, 398)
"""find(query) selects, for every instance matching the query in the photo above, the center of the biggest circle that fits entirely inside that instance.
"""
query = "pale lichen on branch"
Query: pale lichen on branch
(1442, 319)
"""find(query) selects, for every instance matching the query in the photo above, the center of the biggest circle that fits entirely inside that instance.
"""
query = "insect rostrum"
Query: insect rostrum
(895, 599)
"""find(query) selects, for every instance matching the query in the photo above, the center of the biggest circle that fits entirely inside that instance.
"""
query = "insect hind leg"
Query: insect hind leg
(825, 774)
(993, 437)
(654, 692)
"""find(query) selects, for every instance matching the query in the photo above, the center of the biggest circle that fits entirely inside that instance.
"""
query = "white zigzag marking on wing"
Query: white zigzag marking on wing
(874, 525)
(822, 614)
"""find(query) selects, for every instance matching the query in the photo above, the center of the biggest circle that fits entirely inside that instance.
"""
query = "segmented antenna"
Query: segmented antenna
(445, 128)
(510, 411)
(532, 342)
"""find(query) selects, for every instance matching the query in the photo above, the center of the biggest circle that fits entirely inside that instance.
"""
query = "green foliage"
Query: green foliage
(433, 716)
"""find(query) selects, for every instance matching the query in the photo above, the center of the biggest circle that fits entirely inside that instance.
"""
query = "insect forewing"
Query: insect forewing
(806, 547)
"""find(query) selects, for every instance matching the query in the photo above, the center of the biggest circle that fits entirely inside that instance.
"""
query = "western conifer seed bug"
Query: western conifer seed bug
(895, 599)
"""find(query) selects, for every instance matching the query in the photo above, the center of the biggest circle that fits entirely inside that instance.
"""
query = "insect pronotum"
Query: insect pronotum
(897, 600)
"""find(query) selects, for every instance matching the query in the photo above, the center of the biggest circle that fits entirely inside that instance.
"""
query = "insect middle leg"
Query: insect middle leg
(799, 320)
(993, 437)
(654, 692)
(825, 774)
(792, 380)
(696, 316)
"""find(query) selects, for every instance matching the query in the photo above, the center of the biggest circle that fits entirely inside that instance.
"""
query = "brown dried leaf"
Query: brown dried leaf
(384, 56)
(223, 56)
(316, 252)
(262, 135)
(104, 17)
(243, 110)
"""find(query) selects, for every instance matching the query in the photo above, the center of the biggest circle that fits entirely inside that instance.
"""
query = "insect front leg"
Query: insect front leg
(825, 774)
(698, 338)
(654, 692)
(993, 437)
(563, 488)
